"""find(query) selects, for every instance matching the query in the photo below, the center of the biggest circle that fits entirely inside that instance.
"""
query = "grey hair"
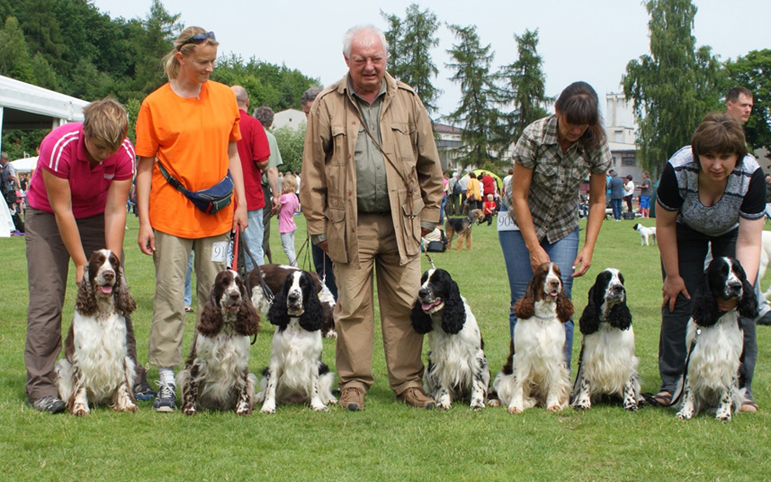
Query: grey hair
(264, 114)
(309, 95)
(242, 97)
(354, 31)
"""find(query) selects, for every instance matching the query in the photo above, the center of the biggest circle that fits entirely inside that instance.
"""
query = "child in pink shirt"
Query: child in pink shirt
(286, 225)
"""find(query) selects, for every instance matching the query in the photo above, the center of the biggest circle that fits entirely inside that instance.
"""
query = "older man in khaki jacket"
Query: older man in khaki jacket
(372, 186)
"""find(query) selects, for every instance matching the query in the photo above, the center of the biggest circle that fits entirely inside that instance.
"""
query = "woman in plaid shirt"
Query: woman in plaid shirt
(551, 161)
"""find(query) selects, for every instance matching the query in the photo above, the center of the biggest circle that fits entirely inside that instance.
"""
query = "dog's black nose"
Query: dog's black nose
(422, 293)
(235, 295)
(293, 296)
(108, 276)
(617, 288)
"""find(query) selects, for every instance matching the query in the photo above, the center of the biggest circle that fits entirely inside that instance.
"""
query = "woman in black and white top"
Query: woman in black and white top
(712, 193)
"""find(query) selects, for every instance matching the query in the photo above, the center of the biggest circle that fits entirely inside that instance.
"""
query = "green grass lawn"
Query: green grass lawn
(388, 441)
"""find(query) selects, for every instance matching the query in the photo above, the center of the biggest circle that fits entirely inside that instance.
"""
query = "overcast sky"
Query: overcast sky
(590, 40)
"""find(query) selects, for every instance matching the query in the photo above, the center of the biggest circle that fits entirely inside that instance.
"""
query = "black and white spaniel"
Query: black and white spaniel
(715, 340)
(457, 367)
(216, 374)
(296, 373)
(607, 364)
(535, 372)
(96, 367)
(274, 276)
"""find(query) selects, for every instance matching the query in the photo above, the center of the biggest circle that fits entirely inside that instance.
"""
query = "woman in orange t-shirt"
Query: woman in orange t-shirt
(190, 125)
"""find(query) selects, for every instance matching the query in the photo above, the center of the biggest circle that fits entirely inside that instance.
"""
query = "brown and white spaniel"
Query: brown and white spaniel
(535, 372)
(216, 375)
(96, 367)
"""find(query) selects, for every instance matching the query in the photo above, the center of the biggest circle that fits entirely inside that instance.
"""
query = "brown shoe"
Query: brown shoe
(416, 397)
(352, 398)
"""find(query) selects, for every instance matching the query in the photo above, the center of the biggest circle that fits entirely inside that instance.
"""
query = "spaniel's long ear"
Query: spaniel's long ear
(211, 320)
(313, 315)
(85, 302)
(705, 311)
(454, 313)
(590, 318)
(247, 319)
(620, 317)
(124, 303)
(524, 308)
(421, 322)
(748, 304)
(564, 307)
(277, 314)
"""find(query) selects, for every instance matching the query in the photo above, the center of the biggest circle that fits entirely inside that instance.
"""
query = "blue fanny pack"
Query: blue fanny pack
(208, 200)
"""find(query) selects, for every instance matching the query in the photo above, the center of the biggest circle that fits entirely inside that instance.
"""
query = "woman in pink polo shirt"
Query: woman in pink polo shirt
(76, 205)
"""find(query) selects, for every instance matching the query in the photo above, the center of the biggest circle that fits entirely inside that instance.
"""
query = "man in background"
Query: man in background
(270, 188)
(254, 151)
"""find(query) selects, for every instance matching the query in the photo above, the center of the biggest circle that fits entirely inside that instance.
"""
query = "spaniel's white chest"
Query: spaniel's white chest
(224, 355)
(100, 351)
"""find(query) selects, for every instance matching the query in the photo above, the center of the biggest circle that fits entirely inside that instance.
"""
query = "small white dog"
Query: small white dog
(646, 234)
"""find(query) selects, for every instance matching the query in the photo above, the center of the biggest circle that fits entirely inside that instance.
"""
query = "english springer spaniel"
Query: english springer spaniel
(715, 340)
(274, 276)
(216, 374)
(607, 364)
(535, 372)
(296, 373)
(96, 367)
(457, 367)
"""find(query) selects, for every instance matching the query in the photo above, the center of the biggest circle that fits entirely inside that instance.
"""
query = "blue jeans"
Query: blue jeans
(441, 209)
(189, 281)
(323, 266)
(517, 259)
(616, 205)
(252, 238)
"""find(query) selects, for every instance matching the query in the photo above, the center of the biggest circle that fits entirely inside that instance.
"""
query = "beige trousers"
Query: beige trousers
(171, 257)
(397, 288)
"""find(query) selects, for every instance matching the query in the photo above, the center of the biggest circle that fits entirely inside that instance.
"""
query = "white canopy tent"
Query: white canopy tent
(26, 164)
(25, 106)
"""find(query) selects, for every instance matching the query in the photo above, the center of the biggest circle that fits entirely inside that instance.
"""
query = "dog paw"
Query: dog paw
(127, 407)
(683, 415)
(320, 408)
(268, 408)
(582, 405)
(515, 410)
(477, 405)
(80, 410)
(554, 408)
(331, 334)
(244, 410)
(189, 408)
(331, 401)
(630, 407)
(493, 402)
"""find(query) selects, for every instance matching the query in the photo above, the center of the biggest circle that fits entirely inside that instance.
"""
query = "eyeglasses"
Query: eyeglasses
(198, 38)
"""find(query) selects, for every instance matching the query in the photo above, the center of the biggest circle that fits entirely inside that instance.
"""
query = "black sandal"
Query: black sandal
(661, 399)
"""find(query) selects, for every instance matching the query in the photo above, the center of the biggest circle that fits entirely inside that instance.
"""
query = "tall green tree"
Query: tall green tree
(409, 58)
(154, 38)
(673, 87)
(290, 144)
(524, 87)
(753, 71)
(15, 59)
(476, 114)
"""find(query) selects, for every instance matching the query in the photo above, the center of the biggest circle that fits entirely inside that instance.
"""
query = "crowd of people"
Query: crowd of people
(370, 190)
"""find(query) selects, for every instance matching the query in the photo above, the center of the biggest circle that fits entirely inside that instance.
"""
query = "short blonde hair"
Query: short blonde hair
(170, 62)
(106, 121)
(289, 183)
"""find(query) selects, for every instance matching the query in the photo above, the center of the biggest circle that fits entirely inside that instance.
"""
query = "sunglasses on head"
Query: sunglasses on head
(198, 38)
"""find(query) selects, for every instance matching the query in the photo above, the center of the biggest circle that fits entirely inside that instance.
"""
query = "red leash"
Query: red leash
(234, 266)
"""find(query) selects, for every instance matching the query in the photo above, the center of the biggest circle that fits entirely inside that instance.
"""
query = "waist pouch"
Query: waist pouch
(208, 200)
